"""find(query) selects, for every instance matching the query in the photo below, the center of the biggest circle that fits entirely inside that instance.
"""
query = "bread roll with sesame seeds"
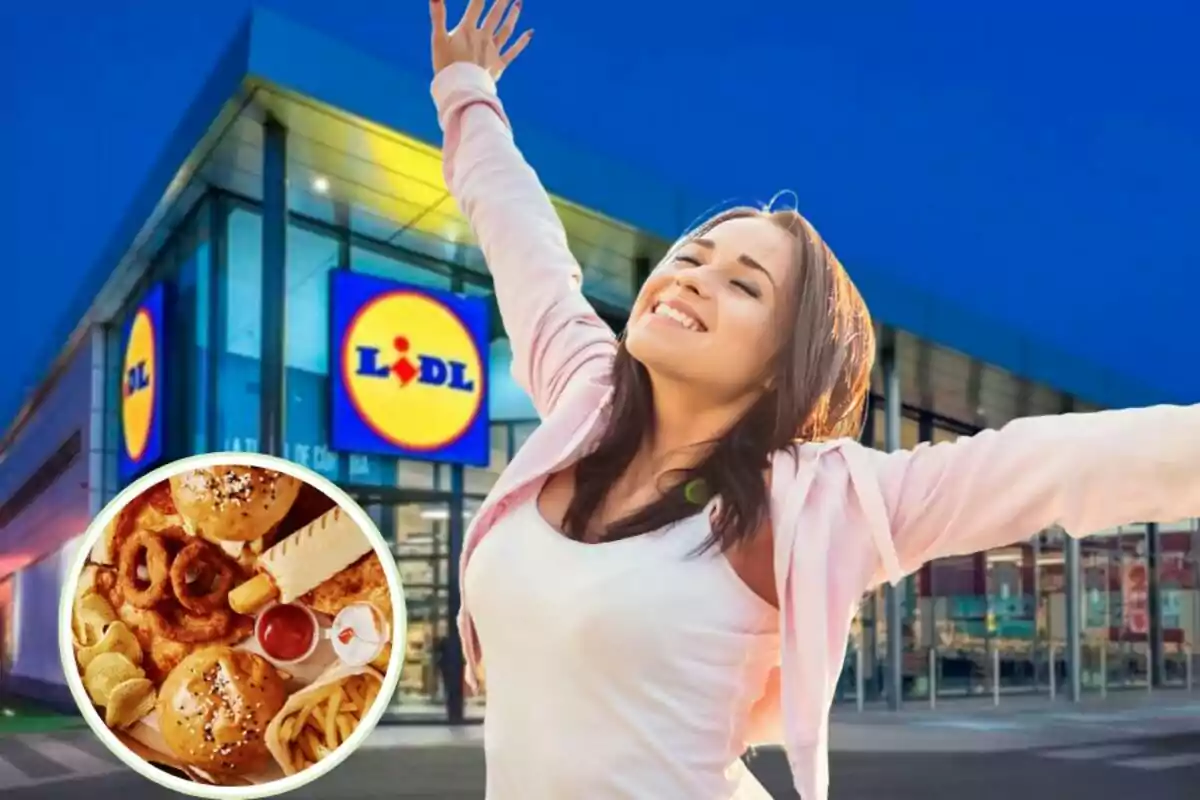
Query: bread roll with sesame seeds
(215, 707)
(233, 504)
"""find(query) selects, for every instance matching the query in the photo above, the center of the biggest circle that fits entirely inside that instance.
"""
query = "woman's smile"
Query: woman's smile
(676, 314)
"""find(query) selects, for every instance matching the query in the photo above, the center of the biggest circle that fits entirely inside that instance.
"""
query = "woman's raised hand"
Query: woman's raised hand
(487, 43)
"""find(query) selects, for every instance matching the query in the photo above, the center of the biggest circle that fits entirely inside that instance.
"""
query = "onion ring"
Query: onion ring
(159, 498)
(157, 564)
(209, 589)
(174, 622)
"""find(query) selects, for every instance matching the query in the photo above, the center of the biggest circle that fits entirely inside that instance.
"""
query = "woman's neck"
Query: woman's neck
(684, 430)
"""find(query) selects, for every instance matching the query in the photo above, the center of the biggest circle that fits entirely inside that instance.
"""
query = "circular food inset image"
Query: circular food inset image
(227, 628)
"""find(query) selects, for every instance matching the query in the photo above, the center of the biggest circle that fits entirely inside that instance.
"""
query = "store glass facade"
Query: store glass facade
(964, 623)
(997, 622)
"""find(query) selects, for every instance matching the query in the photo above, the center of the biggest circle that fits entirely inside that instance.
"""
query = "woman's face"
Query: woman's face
(706, 315)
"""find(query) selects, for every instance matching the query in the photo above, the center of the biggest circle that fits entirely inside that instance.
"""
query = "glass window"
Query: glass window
(113, 359)
(495, 321)
(238, 385)
(443, 238)
(1179, 597)
(910, 429)
(944, 435)
(1115, 579)
(243, 284)
(202, 389)
(370, 470)
(310, 258)
(507, 401)
(520, 432)
(190, 329)
(608, 277)
(302, 196)
(481, 481)
(417, 474)
(369, 261)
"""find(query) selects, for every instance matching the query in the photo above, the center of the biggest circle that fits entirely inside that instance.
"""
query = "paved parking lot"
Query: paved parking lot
(1165, 769)
(1036, 753)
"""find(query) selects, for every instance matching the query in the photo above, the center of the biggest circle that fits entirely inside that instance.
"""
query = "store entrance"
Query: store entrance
(416, 525)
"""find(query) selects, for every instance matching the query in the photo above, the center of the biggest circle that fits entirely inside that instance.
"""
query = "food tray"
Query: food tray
(325, 568)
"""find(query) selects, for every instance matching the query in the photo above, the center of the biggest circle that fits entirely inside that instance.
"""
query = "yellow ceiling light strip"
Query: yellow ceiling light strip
(399, 178)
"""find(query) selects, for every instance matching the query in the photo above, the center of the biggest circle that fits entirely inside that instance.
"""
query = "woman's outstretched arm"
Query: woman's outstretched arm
(557, 337)
(1083, 472)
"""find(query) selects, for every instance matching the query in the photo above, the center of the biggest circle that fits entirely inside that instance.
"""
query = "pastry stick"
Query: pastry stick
(303, 561)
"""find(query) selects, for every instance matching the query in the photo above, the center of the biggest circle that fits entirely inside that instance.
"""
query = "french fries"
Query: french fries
(325, 720)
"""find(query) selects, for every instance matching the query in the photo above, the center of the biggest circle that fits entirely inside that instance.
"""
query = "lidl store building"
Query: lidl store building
(296, 260)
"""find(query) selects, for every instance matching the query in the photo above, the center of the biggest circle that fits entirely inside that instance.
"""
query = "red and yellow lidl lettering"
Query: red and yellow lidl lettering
(412, 370)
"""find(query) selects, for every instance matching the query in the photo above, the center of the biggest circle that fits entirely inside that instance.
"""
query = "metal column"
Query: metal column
(1074, 588)
(1074, 628)
(454, 668)
(341, 220)
(181, 311)
(218, 301)
(274, 288)
(891, 432)
(452, 658)
(1157, 672)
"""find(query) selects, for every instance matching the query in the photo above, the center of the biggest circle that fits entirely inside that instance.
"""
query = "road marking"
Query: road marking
(1175, 713)
(1089, 719)
(13, 778)
(74, 760)
(1161, 762)
(973, 724)
(1094, 753)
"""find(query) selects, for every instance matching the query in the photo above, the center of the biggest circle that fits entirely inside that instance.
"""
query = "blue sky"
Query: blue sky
(1035, 163)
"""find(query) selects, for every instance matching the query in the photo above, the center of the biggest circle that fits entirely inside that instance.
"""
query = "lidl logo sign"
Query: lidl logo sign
(142, 386)
(409, 377)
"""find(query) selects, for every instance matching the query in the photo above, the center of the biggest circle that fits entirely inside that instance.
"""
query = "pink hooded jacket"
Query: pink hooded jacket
(845, 517)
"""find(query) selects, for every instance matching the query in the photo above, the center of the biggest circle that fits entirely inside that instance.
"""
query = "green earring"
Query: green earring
(696, 491)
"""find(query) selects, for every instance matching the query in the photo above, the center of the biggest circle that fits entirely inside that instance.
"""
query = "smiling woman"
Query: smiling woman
(752, 312)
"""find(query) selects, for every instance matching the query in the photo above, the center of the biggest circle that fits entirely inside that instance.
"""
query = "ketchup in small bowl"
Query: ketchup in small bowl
(286, 632)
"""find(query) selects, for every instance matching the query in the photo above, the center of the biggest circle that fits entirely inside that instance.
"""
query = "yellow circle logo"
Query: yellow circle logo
(412, 370)
(139, 385)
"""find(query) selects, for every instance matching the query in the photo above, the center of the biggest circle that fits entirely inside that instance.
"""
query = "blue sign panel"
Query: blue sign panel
(142, 387)
(408, 371)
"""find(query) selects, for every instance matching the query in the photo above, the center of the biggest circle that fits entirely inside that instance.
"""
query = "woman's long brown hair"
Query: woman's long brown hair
(819, 382)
